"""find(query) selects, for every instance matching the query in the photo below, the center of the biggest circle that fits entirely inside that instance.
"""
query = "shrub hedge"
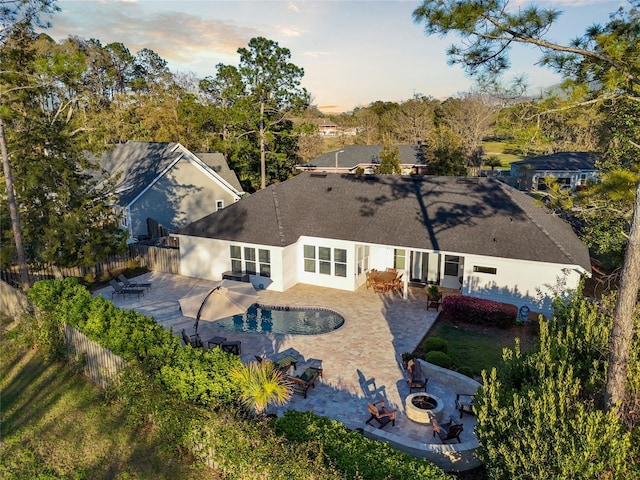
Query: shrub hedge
(352, 454)
(479, 311)
(436, 344)
(194, 375)
(440, 359)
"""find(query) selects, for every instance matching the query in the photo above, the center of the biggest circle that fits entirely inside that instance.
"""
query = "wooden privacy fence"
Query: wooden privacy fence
(101, 365)
(158, 259)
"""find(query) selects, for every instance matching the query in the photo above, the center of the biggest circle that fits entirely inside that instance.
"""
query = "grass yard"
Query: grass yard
(480, 348)
(55, 424)
(498, 149)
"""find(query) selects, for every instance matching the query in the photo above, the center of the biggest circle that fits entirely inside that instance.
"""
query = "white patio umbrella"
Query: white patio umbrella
(226, 298)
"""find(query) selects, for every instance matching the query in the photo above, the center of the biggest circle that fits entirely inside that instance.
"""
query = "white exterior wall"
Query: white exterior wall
(290, 267)
(517, 281)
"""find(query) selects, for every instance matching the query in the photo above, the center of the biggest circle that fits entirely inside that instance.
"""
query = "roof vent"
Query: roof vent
(318, 174)
(469, 180)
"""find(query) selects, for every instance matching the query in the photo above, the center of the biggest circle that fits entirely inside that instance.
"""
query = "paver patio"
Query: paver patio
(361, 360)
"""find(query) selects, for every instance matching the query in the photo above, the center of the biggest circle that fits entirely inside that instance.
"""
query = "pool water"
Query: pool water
(287, 320)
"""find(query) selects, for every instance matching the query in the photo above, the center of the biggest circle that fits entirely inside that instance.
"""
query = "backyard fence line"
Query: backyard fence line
(101, 365)
(158, 259)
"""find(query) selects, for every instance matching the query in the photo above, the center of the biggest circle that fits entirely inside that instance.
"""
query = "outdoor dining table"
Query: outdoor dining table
(383, 281)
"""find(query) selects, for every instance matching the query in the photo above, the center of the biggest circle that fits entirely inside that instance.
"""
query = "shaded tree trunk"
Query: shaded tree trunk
(263, 154)
(622, 331)
(13, 210)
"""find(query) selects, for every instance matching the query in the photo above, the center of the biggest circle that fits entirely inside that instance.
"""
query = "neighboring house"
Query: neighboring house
(571, 169)
(327, 128)
(366, 158)
(477, 235)
(161, 187)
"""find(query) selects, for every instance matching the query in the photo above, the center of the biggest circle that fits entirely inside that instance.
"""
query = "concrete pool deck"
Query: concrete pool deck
(361, 360)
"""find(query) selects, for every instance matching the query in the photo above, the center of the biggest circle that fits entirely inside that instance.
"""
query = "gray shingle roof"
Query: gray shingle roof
(139, 163)
(562, 161)
(473, 216)
(217, 162)
(354, 155)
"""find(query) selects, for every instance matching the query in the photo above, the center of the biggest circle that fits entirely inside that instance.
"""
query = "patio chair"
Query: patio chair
(381, 414)
(302, 383)
(127, 284)
(232, 346)
(120, 290)
(464, 403)
(193, 340)
(416, 379)
(447, 431)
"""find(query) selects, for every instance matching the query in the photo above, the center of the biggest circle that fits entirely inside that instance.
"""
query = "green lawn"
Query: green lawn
(498, 149)
(480, 350)
(55, 424)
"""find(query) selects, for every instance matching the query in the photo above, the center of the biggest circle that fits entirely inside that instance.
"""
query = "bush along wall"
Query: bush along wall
(194, 375)
(352, 454)
(479, 311)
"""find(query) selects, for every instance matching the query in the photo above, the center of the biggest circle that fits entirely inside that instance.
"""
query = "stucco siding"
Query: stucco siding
(203, 258)
(517, 282)
(184, 194)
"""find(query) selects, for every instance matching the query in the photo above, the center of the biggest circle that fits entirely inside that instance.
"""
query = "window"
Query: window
(264, 256)
(399, 259)
(250, 260)
(236, 258)
(326, 261)
(309, 258)
(363, 258)
(219, 205)
(451, 265)
(340, 257)
(491, 270)
(247, 263)
(324, 254)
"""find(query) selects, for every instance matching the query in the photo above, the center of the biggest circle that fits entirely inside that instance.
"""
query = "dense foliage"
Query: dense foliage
(351, 453)
(194, 375)
(479, 311)
(540, 414)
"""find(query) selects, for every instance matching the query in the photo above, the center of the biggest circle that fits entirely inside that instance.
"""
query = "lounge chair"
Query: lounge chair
(127, 284)
(120, 290)
(464, 403)
(193, 340)
(302, 383)
(447, 431)
(381, 414)
(416, 379)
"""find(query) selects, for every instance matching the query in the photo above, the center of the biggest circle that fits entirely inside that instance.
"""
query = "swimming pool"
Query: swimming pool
(287, 320)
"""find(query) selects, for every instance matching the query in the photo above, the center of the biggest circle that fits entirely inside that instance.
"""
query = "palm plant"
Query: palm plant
(261, 385)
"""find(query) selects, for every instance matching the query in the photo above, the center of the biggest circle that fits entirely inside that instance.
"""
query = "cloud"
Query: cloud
(175, 36)
(315, 54)
(293, 7)
(288, 31)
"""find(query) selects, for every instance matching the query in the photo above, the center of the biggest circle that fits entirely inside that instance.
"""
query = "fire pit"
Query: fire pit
(418, 406)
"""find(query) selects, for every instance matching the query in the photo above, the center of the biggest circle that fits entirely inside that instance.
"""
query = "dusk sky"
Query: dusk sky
(352, 52)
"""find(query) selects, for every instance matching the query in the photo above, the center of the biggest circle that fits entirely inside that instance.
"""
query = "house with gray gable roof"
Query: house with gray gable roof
(477, 235)
(365, 157)
(572, 170)
(162, 187)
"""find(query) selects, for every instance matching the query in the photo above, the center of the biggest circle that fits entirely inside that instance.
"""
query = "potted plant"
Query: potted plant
(433, 292)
